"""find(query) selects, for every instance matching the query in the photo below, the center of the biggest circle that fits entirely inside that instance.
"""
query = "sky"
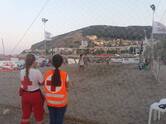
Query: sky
(68, 15)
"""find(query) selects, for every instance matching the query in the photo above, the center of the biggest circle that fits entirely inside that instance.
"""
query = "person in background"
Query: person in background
(31, 96)
(65, 59)
(86, 59)
(56, 91)
(81, 62)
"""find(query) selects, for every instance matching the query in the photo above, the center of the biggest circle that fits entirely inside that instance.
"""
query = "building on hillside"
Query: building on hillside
(84, 44)
(61, 50)
(92, 37)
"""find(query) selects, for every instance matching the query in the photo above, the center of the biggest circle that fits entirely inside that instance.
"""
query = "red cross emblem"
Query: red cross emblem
(53, 88)
(26, 82)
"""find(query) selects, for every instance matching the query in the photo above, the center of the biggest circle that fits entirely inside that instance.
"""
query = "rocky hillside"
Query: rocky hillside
(72, 39)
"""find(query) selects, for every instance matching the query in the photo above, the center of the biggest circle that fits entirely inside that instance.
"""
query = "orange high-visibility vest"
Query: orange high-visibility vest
(56, 96)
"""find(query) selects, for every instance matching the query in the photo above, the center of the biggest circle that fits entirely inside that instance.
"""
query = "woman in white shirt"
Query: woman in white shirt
(31, 96)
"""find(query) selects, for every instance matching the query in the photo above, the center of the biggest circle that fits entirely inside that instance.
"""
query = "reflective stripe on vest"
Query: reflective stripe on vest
(56, 102)
(54, 95)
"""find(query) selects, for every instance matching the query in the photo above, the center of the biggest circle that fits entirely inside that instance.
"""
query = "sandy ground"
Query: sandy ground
(102, 94)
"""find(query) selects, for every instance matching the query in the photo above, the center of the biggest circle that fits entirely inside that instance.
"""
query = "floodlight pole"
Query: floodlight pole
(153, 7)
(44, 20)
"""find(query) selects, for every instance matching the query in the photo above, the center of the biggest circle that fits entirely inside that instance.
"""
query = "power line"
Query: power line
(29, 27)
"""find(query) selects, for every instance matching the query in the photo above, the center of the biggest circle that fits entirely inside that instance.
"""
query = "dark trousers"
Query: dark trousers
(56, 115)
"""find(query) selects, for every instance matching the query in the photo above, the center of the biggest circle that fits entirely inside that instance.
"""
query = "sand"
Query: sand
(102, 94)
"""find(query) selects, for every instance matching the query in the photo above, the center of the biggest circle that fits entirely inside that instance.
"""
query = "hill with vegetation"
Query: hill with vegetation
(72, 39)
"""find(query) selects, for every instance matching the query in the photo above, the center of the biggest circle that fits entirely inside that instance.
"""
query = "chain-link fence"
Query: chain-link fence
(159, 61)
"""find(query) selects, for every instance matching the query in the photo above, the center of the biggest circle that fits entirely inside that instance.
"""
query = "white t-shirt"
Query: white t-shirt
(35, 76)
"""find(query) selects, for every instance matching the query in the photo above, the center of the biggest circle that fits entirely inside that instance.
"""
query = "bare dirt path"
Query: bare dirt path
(102, 94)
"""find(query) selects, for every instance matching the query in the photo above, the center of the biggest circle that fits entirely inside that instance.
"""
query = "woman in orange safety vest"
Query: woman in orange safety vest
(55, 89)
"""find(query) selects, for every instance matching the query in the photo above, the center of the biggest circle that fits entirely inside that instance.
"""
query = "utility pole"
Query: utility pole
(3, 47)
(44, 20)
(145, 39)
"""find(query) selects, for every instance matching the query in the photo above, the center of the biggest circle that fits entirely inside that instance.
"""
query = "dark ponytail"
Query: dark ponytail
(57, 61)
(30, 58)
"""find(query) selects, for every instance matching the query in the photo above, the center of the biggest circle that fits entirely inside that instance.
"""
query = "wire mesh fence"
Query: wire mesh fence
(159, 64)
